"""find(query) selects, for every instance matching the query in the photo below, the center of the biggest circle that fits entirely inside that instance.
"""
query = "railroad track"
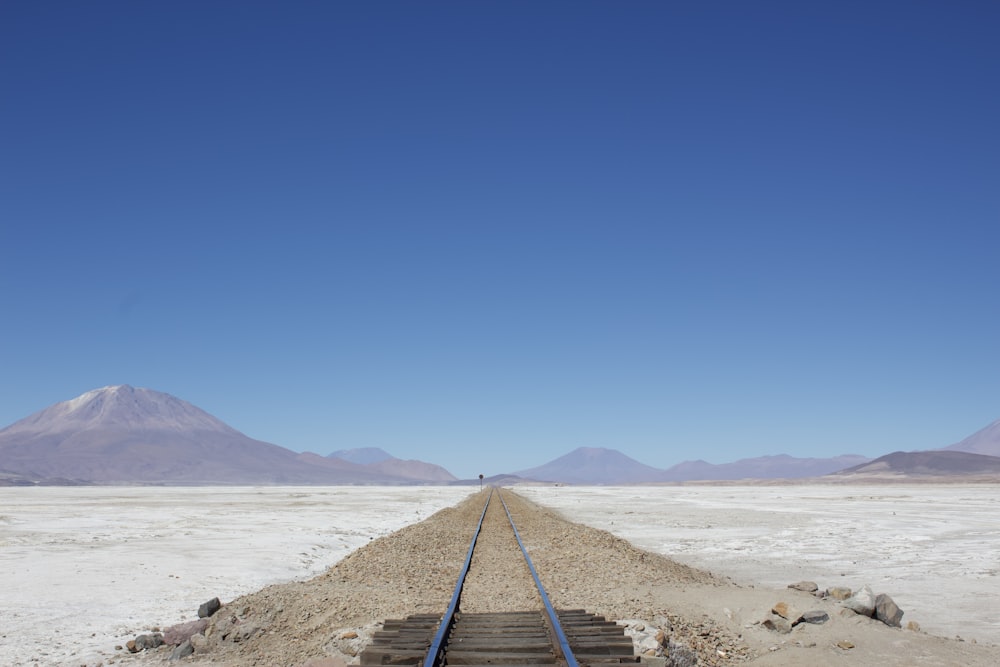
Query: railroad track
(540, 635)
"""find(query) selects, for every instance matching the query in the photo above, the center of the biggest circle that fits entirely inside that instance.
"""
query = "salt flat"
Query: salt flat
(85, 568)
(934, 548)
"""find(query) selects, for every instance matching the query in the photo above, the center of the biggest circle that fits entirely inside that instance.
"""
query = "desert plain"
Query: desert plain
(83, 570)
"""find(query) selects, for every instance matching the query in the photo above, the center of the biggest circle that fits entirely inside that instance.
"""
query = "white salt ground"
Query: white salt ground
(934, 548)
(83, 569)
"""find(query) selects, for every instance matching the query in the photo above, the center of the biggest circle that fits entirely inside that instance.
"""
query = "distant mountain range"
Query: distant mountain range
(122, 434)
(126, 435)
(595, 465)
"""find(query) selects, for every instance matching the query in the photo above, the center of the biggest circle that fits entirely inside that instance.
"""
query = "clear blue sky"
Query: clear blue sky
(486, 233)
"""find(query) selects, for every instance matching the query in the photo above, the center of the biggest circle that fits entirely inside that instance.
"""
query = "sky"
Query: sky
(484, 234)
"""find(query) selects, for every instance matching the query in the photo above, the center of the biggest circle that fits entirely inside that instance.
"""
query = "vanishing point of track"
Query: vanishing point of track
(539, 635)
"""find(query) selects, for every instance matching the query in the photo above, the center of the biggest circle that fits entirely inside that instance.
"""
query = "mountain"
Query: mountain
(984, 441)
(123, 434)
(928, 463)
(415, 470)
(362, 455)
(781, 466)
(608, 466)
(379, 461)
(593, 465)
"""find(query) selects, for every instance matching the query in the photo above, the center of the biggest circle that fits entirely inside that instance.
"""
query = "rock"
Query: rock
(647, 644)
(844, 644)
(200, 642)
(838, 592)
(679, 655)
(777, 623)
(182, 651)
(647, 639)
(130, 645)
(350, 634)
(806, 586)
(209, 608)
(862, 602)
(176, 635)
(786, 611)
(816, 617)
(146, 642)
(913, 626)
(887, 611)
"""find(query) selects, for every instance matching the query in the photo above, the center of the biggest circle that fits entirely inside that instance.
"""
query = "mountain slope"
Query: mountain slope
(984, 441)
(123, 434)
(380, 461)
(362, 455)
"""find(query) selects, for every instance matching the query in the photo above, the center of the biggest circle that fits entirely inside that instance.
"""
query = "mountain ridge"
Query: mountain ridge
(125, 435)
(121, 435)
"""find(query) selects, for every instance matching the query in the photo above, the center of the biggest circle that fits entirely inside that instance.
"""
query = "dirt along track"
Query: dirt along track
(500, 614)
(330, 618)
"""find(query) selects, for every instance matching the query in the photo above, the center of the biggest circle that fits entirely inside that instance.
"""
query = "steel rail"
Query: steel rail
(449, 616)
(549, 609)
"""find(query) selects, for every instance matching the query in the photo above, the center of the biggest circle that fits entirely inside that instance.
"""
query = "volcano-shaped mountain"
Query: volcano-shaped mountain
(984, 441)
(593, 465)
(124, 434)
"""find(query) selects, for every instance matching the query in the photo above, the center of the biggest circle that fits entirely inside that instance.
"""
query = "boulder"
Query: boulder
(816, 617)
(209, 608)
(176, 635)
(146, 642)
(182, 651)
(787, 612)
(777, 624)
(862, 602)
(887, 611)
(806, 586)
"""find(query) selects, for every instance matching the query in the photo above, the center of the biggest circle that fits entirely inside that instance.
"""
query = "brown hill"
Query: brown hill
(929, 463)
